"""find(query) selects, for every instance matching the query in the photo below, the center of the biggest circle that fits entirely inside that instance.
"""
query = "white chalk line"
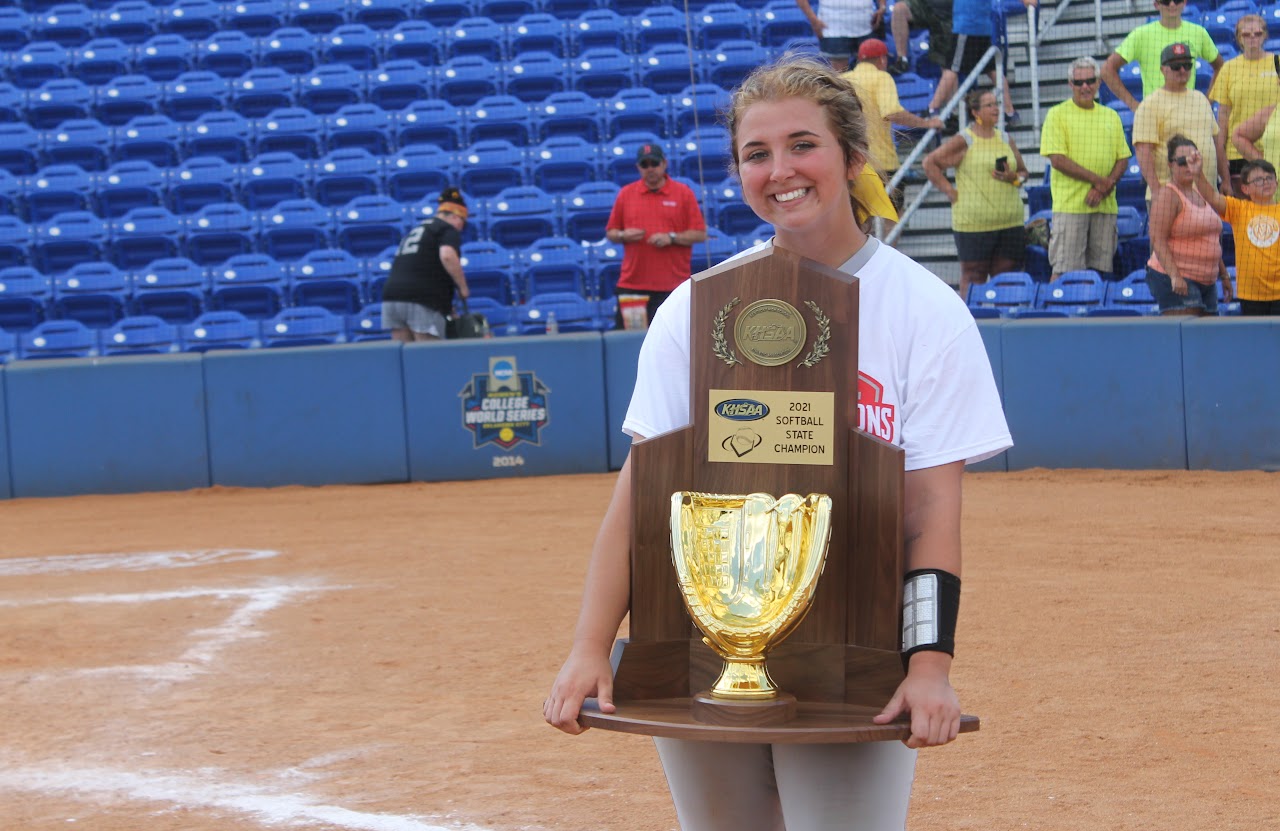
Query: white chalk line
(139, 561)
(208, 643)
(204, 790)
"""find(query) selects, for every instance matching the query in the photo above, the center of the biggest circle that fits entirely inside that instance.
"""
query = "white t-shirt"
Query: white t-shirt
(846, 18)
(924, 381)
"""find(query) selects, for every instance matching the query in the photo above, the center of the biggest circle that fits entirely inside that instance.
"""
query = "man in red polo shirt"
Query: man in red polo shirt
(656, 219)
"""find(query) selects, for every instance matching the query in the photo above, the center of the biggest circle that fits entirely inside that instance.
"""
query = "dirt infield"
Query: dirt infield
(375, 658)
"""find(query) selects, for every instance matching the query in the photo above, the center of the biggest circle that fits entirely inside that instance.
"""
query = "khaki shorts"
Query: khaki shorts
(1080, 241)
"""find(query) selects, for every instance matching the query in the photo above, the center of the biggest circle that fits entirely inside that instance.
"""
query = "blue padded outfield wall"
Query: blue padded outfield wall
(1108, 393)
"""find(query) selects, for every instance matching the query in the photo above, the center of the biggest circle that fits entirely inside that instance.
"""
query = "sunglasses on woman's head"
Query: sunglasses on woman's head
(1083, 82)
(1181, 161)
(1180, 66)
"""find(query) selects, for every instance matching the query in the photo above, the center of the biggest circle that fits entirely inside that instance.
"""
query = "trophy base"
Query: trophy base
(814, 723)
(727, 712)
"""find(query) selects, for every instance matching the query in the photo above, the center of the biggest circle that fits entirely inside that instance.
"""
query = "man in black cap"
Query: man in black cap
(418, 296)
(1173, 110)
(656, 219)
(1146, 45)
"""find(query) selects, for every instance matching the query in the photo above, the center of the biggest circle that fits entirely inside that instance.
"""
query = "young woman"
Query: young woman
(986, 214)
(798, 140)
(1245, 85)
(1186, 239)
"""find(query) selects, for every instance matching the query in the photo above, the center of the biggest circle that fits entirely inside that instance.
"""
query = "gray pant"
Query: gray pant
(720, 786)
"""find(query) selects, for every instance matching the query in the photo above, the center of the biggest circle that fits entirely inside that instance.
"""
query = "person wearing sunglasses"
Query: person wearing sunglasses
(1246, 84)
(1174, 110)
(656, 219)
(1255, 221)
(1147, 43)
(1086, 147)
(1186, 239)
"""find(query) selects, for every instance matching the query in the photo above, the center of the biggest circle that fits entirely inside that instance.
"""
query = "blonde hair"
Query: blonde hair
(1251, 18)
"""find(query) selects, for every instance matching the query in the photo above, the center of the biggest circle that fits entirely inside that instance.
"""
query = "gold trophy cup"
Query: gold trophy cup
(747, 567)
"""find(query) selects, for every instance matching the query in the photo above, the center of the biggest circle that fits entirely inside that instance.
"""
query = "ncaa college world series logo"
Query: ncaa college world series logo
(504, 406)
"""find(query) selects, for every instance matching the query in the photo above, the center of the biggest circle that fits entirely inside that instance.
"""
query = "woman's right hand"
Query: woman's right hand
(953, 196)
(586, 672)
(1179, 285)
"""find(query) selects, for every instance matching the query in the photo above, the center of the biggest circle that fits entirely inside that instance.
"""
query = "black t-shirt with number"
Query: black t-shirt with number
(417, 275)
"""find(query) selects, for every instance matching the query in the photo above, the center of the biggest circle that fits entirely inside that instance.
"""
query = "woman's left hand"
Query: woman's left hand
(927, 695)
(1228, 292)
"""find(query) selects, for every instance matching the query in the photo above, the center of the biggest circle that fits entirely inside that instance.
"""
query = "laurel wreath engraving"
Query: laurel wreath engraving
(820, 348)
(720, 346)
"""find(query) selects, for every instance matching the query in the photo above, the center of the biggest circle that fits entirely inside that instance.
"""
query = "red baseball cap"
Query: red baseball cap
(872, 49)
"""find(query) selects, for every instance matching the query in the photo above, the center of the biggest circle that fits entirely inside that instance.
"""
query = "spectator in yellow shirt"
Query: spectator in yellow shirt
(1246, 84)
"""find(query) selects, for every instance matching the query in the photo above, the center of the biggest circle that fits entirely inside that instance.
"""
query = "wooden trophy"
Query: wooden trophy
(773, 403)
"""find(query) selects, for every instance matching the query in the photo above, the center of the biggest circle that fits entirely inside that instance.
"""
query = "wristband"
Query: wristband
(930, 607)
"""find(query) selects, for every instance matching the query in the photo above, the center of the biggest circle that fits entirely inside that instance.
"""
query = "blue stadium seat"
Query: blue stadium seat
(1074, 293)
(260, 91)
(58, 188)
(1006, 293)
(329, 278)
(38, 62)
(24, 297)
(218, 232)
(573, 313)
(668, 68)
(376, 271)
(192, 94)
(128, 185)
(132, 21)
(143, 235)
(538, 32)
(360, 127)
(342, 175)
(126, 98)
(271, 178)
(560, 164)
(914, 92)
(417, 40)
(251, 284)
(719, 22)
(638, 109)
(727, 211)
(779, 21)
(1130, 222)
(519, 216)
(369, 224)
(8, 347)
(704, 155)
(717, 248)
(499, 317)
(630, 8)
(16, 239)
(381, 14)
(255, 18)
(490, 270)
(600, 29)
(166, 56)
(568, 9)
(1132, 254)
(20, 149)
(464, 81)
(291, 48)
(200, 181)
(221, 330)
(444, 12)
(586, 210)
(304, 326)
(172, 289)
(366, 325)
(59, 100)
(506, 11)
(499, 117)
(434, 121)
(396, 84)
(148, 138)
(295, 130)
(100, 60)
(1132, 291)
(141, 335)
(602, 72)
(316, 16)
(15, 29)
(477, 36)
(573, 113)
(329, 88)
(193, 19)
(761, 233)
(67, 24)
(619, 157)
(356, 46)
(552, 264)
(657, 25)
(227, 135)
(68, 239)
(11, 193)
(229, 54)
(486, 167)
(59, 339)
(532, 76)
(292, 227)
(92, 293)
(731, 61)
(417, 171)
(13, 102)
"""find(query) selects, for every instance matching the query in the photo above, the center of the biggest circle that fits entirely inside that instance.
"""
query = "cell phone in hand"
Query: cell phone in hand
(1002, 163)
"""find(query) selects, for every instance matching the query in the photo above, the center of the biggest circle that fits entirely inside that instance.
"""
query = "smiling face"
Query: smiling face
(1084, 86)
(795, 176)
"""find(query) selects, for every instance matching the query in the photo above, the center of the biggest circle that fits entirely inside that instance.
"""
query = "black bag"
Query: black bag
(466, 325)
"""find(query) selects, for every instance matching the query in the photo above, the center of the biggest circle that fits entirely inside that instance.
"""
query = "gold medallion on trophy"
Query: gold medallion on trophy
(770, 332)
(747, 568)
